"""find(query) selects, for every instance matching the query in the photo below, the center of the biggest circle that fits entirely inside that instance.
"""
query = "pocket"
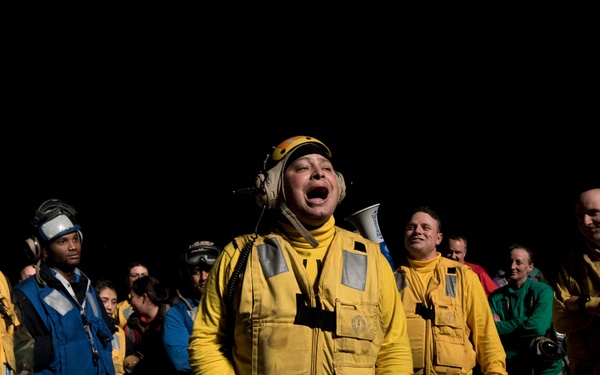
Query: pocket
(416, 328)
(355, 327)
(356, 321)
(449, 337)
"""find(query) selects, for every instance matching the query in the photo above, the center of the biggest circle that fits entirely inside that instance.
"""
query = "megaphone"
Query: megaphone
(365, 221)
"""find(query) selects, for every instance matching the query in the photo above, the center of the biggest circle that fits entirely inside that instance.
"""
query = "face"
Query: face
(135, 273)
(109, 299)
(457, 250)
(311, 189)
(519, 266)
(27, 271)
(422, 236)
(64, 252)
(139, 303)
(198, 277)
(587, 211)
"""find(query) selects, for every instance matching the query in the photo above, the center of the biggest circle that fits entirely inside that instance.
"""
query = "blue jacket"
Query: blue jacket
(63, 344)
(178, 324)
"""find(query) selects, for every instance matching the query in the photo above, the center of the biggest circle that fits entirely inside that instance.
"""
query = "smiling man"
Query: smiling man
(451, 328)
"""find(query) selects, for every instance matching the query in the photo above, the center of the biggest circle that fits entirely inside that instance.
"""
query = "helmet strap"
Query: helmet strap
(298, 225)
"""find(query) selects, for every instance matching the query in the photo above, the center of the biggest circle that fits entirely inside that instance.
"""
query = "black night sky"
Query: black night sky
(148, 130)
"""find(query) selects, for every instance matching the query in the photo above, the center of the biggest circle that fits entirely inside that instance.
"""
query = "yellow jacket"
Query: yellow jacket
(579, 275)
(122, 312)
(450, 324)
(119, 349)
(7, 325)
(350, 321)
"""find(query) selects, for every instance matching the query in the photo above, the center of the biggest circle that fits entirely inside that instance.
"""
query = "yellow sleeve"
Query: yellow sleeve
(566, 321)
(395, 356)
(208, 332)
(486, 341)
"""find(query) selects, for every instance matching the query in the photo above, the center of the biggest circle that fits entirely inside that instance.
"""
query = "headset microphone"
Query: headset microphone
(248, 192)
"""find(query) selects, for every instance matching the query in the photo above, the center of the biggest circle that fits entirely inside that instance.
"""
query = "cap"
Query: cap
(201, 252)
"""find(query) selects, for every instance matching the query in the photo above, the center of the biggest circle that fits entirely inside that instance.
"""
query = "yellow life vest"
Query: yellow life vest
(289, 323)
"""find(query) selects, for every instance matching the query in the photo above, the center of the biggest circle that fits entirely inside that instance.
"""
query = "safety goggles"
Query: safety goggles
(202, 254)
(58, 226)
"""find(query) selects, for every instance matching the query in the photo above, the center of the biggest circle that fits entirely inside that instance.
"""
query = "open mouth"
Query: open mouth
(319, 192)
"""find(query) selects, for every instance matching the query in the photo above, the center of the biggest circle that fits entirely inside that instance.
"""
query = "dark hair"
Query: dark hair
(429, 211)
(515, 245)
(136, 263)
(103, 283)
(152, 287)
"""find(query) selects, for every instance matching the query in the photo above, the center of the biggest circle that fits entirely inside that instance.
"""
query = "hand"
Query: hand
(131, 360)
(572, 303)
(496, 318)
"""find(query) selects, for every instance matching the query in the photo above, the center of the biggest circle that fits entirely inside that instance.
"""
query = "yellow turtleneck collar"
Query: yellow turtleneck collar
(324, 234)
(426, 265)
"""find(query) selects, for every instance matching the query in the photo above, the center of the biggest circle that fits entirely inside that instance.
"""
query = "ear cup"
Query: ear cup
(33, 248)
(268, 183)
(341, 186)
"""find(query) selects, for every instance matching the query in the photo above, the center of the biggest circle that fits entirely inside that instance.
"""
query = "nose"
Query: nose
(319, 173)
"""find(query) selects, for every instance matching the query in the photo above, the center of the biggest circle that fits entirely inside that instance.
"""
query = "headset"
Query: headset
(268, 183)
(53, 218)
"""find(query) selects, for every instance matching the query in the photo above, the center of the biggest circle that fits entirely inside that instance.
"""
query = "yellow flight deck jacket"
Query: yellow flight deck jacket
(350, 322)
(450, 323)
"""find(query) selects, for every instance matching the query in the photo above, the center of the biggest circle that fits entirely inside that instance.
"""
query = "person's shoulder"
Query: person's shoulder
(449, 263)
(178, 308)
(476, 267)
(355, 236)
(538, 285)
(27, 283)
(497, 293)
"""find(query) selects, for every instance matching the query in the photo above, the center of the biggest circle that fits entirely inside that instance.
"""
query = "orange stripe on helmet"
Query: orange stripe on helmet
(289, 144)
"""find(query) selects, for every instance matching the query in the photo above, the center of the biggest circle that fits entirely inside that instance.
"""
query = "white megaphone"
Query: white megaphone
(365, 221)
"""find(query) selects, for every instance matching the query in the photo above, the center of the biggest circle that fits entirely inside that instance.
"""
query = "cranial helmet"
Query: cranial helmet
(270, 182)
(53, 219)
(201, 252)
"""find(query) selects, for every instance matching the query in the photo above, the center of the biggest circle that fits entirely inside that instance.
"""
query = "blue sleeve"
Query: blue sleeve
(176, 337)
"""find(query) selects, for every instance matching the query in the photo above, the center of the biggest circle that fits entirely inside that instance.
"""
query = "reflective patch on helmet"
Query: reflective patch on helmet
(59, 226)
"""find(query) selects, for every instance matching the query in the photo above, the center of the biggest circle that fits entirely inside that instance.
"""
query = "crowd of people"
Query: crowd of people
(302, 295)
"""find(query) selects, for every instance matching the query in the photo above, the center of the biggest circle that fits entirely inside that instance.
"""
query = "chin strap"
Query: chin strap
(298, 225)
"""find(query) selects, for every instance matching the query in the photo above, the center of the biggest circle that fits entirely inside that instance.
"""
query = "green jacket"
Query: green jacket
(525, 313)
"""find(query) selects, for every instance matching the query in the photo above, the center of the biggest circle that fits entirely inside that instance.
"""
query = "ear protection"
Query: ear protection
(269, 183)
(47, 212)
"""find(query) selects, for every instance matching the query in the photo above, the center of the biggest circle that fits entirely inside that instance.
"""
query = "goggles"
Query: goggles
(58, 226)
(201, 255)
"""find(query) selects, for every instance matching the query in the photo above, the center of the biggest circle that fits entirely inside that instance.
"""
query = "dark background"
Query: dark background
(148, 124)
